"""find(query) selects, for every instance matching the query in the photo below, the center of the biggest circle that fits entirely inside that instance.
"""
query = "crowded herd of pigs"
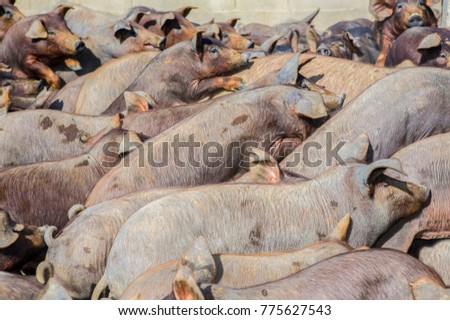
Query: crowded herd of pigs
(149, 156)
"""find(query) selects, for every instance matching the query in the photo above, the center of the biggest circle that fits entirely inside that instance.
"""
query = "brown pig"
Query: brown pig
(422, 107)
(50, 135)
(41, 193)
(234, 270)
(374, 274)
(239, 218)
(34, 42)
(208, 59)
(18, 242)
(262, 116)
(9, 15)
(425, 161)
(336, 75)
(425, 46)
(394, 17)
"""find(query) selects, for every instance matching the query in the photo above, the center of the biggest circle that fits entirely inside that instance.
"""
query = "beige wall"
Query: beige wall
(262, 11)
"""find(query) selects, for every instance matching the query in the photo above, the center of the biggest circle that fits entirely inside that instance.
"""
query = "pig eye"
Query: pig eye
(51, 33)
(225, 36)
(304, 84)
(213, 49)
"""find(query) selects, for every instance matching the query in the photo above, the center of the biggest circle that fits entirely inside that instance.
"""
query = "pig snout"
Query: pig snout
(162, 44)
(415, 21)
(323, 51)
(79, 45)
(341, 100)
(249, 56)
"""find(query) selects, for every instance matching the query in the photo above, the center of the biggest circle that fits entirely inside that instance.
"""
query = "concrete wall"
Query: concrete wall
(262, 11)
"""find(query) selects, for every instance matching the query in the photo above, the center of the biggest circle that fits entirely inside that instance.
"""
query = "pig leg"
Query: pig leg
(386, 44)
(212, 85)
(43, 71)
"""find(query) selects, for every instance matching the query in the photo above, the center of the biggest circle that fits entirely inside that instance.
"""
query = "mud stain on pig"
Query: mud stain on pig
(71, 132)
(87, 250)
(239, 120)
(46, 123)
(334, 204)
(85, 163)
(255, 236)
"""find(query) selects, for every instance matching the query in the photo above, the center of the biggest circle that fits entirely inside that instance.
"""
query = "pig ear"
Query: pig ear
(37, 31)
(214, 31)
(356, 151)
(62, 9)
(312, 38)
(427, 288)
(311, 106)
(165, 18)
(44, 272)
(289, 72)
(130, 144)
(184, 11)
(185, 288)
(339, 232)
(433, 40)
(381, 9)
(8, 230)
(120, 28)
(352, 40)
(269, 45)
(232, 22)
(197, 43)
(137, 101)
(368, 174)
(293, 40)
(198, 261)
(308, 19)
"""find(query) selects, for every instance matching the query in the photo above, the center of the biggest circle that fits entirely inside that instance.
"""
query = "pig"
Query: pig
(254, 117)
(18, 287)
(225, 32)
(289, 74)
(434, 253)
(53, 291)
(239, 218)
(376, 274)
(209, 58)
(109, 42)
(393, 17)
(263, 168)
(9, 15)
(18, 242)
(425, 46)
(41, 193)
(65, 99)
(258, 33)
(173, 25)
(336, 75)
(43, 38)
(428, 288)
(23, 87)
(50, 135)
(423, 115)
(78, 254)
(425, 161)
(353, 40)
(234, 270)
